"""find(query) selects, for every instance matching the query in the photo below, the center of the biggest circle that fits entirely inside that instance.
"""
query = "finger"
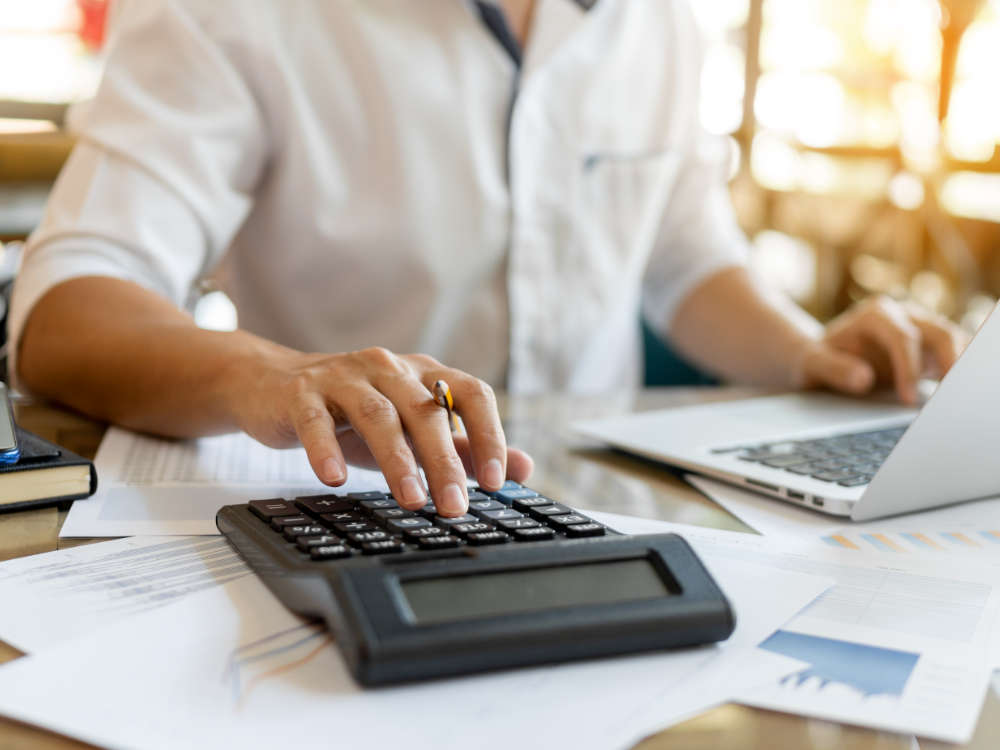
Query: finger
(376, 419)
(315, 428)
(427, 426)
(939, 338)
(838, 370)
(891, 329)
(519, 464)
(477, 404)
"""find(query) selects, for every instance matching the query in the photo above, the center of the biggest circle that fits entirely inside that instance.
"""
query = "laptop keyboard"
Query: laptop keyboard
(850, 460)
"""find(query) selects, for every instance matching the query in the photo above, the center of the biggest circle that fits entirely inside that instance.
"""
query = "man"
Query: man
(499, 186)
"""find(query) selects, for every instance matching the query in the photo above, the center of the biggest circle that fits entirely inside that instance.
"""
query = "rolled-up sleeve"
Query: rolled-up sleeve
(169, 153)
(698, 234)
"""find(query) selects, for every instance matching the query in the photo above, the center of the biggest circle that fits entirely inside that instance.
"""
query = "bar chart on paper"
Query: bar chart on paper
(963, 540)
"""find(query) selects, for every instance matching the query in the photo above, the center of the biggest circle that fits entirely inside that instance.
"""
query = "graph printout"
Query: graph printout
(880, 687)
(56, 596)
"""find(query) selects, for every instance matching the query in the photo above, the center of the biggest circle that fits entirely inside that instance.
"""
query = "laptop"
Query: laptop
(860, 458)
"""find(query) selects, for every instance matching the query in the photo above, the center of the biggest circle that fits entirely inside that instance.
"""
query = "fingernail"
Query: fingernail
(493, 473)
(859, 380)
(332, 470)
(452, 500)
(413, 491)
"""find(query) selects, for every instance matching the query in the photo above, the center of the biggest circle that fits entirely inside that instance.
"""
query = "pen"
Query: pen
(442, 394)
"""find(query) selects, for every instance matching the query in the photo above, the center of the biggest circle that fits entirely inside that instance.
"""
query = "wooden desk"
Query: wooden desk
(571, 469)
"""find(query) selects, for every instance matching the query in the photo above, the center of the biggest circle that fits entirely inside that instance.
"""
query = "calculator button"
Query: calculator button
(317, 504)
(306, 543)
(471, 528)
(504, 514)
(372, 495)
(344, 517)
(555, 509)
(370, 506)
(382, 547)
(480, 538)
(514, 493)
(585, 529)
(282, 521)
(294, 532)
(330, 552)
(384, 514)
(349, 527)
(449, 522)
(478, 507)
(509, 524)
(363, 537)
(477, 495)
(402, 524)
(443, 541)
(530, 502)
(533, 534)
(561, 522)
(423, 532)
(428, 511)
(265, 510)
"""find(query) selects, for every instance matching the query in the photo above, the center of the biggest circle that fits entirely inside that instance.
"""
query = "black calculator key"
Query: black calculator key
(514, 493)
(372, 495)
(265, 510)
(363, 537)
(503, 514)
(470, 528)
(449, 522)
(509, 524)
(348, 527)
(478, 507)
(442, 541)
(294, 532)
(428, 511)
(382, 547)
(399, 525)
(317, 504)
(370, 506)
(384, 514)
(585, 529)
(527, 503)
(481, 538)
(330, 552)
(543, 511)
(306, 543)
(281, 522)
(536, 533)
(344, 517)
(412, 535)
(570, 519)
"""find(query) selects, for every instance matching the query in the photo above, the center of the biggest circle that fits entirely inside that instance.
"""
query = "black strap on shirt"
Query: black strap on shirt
(496, 22)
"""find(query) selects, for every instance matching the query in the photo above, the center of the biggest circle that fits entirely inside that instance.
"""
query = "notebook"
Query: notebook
(44, 475)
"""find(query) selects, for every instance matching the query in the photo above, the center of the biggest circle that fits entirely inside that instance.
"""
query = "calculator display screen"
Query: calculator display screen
(436, 600)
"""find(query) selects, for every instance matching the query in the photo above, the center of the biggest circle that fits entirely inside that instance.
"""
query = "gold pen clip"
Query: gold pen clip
(442, 394)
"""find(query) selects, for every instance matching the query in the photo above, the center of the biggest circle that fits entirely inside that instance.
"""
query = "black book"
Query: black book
(44, 475)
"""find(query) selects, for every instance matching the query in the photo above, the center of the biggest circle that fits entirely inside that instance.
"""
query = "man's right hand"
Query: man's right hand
(373, 407)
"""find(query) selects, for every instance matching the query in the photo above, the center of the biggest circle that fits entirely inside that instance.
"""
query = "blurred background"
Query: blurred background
(864, 136)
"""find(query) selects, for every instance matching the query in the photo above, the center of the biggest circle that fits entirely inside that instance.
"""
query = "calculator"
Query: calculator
(518, 580)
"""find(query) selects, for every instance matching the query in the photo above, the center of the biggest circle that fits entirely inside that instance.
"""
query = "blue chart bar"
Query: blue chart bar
(868, 669)
(874, 540)
(920, 540)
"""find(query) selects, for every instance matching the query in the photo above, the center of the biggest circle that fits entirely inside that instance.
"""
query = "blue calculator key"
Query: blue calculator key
(509, 496)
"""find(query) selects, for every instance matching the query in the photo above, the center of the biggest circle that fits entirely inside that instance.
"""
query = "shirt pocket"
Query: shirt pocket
(621, 199)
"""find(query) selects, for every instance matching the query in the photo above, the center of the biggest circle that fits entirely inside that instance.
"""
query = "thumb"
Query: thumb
(825, 366)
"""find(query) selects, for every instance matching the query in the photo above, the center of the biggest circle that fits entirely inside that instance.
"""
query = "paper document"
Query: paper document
(967, 528)
(230, 667)
(151, 486)
(898, 643)
(56, 596)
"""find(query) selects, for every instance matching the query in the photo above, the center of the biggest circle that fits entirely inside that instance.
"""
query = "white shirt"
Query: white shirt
(346, 172)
